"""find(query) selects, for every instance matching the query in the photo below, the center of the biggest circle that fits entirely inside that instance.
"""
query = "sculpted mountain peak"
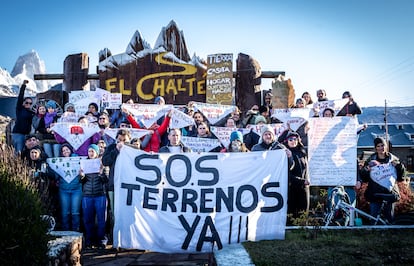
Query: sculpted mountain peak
(172, 39)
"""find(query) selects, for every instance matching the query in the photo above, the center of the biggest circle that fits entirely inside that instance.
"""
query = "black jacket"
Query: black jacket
(108, 159)
(93, 184)
(24, 116)
(374, 187)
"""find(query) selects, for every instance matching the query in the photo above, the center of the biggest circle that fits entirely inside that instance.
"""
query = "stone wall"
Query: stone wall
(65, 249)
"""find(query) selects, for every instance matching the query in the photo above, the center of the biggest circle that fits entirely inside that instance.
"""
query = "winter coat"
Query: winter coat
(24, 116)
(166, 149)
(109, 159)
(155, 141)
(93, 184)
(374, 187)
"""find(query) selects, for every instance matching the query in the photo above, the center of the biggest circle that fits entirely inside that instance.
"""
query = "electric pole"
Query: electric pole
(386, 124)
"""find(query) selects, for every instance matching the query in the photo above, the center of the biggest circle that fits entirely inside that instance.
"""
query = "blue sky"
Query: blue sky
(364, 46)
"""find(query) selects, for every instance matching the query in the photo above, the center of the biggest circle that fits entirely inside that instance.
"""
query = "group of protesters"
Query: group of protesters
(90, 196)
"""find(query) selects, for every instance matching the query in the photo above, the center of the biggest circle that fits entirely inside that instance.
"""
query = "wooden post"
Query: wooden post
(75, 72)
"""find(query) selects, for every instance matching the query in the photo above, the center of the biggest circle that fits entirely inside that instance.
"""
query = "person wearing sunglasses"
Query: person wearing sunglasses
(298, 190)
(23, 122)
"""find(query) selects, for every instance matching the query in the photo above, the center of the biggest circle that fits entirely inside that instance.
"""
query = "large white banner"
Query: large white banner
(195, 202)
(332, 148)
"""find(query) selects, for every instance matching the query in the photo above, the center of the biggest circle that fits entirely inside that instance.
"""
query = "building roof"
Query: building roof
(399, 135)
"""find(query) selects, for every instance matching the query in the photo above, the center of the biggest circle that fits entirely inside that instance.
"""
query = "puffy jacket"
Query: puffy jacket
(93, 184)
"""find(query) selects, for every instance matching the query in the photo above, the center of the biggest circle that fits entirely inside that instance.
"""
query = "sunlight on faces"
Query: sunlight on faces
(230, 123)
(102, 146)
(268, 137)
(35, 154)
(92, 154)
(66, 152)
(41, 110)
(292, 142)
(202, 129)
(380, 148)
(123, 138)
(174, 137)
(236, 146)
(31, 142)
(27, 102)
(198, 117)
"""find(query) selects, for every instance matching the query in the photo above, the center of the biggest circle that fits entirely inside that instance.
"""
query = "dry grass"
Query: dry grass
(336, 247)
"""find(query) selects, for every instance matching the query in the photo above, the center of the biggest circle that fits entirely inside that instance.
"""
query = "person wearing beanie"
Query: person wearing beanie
(69, 107)
(236, 143)
(51, 104)
(159, 100)
(250, 139)
(50, 145)
(94, 203)
(265, 112)
(267, 140)
(379, 184)
(94, 147)
(236, 135)
(260, 119)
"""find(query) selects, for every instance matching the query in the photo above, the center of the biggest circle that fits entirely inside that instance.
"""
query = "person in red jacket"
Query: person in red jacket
(156, 131)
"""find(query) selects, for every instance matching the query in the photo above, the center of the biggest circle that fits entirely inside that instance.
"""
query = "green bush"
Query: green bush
(23, 233)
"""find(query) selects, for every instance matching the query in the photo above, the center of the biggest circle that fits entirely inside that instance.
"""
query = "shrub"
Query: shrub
(23, 233)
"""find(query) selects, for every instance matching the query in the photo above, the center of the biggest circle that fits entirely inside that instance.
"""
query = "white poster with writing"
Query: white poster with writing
(214, 112)
(384, 174)
(295, 117)
(180, 119)
(200, 144)
(148, 114)
(335, 105)
(223, 134)
(194, 202)
(332, 148)
(134, 132)
(90, 166)
(66, 167)
(82, 99)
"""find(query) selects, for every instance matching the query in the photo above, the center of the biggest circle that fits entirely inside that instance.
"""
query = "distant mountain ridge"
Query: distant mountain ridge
(395, 115)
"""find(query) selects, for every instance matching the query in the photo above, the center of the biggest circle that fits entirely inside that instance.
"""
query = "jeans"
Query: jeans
(51, 149)
(94, 206)
(111, 205)
(70, 204)
(18, 141)
(388, 211)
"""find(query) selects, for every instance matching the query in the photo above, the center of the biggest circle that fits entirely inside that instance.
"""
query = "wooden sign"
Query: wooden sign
(153, 74)
(219, 89)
